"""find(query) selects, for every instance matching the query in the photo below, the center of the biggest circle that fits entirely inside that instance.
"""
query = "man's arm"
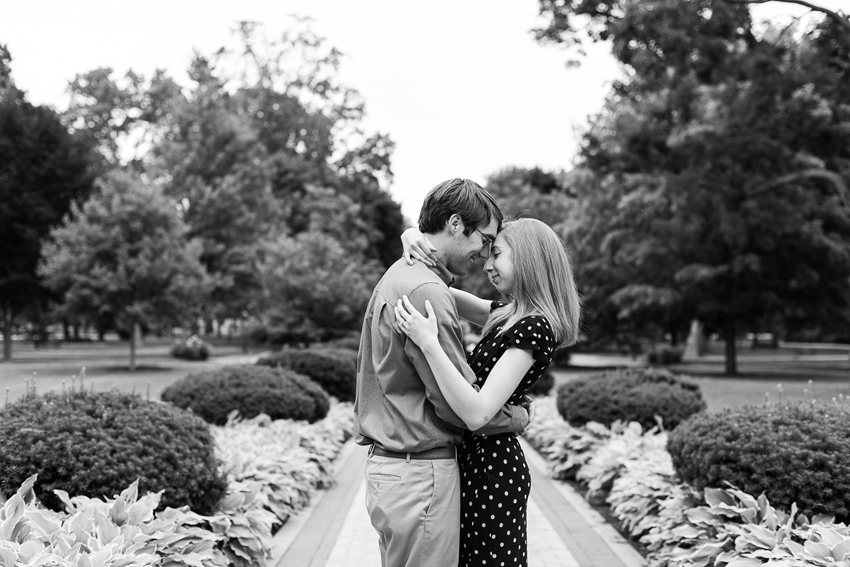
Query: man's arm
(510, 419)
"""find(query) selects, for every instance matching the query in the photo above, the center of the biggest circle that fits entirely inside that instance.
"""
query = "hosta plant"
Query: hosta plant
(128, 531)
(565, 447)
(287, 460)
(736, 529)
(125, 531)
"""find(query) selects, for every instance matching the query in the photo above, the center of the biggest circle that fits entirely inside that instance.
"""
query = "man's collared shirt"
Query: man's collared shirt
(399, 404)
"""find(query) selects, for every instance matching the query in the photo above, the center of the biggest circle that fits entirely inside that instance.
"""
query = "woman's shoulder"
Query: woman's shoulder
(534, 323)
(533, 330)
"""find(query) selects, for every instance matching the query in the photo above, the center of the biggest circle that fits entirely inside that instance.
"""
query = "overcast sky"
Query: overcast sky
(460, 85)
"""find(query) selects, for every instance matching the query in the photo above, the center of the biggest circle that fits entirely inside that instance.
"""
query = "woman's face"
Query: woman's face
(500, 266)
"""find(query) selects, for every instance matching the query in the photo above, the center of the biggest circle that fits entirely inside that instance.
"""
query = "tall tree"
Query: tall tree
(729, 149)
(264, 141)
(43, 171)
(313, 290)
(124, 254)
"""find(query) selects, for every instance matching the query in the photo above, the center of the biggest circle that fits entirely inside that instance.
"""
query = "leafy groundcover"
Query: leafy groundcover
(273, 468)
(630, 469)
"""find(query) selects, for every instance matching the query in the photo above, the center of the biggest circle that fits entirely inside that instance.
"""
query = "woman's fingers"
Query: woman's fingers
(408, 306)
(407, 256)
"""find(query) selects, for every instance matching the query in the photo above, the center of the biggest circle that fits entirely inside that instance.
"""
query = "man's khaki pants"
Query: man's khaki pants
(415, 507)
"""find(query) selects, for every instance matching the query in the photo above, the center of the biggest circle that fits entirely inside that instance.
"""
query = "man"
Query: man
(413, 482)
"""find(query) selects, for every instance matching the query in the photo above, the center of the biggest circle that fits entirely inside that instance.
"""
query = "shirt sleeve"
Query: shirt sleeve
(532, 333)
(510, 419)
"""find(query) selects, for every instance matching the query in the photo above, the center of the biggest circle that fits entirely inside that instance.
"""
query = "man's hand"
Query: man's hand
(528, 404)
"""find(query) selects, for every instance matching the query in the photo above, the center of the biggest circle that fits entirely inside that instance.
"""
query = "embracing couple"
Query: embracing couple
(447, 481)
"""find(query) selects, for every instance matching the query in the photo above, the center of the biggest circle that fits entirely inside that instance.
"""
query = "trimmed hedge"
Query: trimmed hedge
(251, 390)
(96, 444)
(792, 452)
(632, 394)
(335, 370)
(350, 342)
(543, 385)
(193, 348)
(665, 354)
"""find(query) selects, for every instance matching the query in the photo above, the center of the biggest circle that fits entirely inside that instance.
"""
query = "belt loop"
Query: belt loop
(371, 450)
(407, 459)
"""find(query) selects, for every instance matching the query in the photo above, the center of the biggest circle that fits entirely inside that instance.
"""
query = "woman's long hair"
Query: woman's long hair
(543, 281)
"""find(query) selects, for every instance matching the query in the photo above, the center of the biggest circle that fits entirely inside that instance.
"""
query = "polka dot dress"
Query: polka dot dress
(495, 481)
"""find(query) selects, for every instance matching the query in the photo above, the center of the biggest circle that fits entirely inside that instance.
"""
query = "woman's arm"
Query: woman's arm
(471, 307)
(416, 246)
(476, 408)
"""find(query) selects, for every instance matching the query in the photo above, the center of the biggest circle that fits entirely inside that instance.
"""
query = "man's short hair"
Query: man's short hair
(463, 197)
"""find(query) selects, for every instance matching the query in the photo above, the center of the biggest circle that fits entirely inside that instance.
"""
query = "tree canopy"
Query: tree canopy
(262, 144)
(125, 254)
(44, 170)
(722, 161)
(265, 143)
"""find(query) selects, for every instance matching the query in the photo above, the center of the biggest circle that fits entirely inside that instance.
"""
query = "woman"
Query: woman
(530, 268)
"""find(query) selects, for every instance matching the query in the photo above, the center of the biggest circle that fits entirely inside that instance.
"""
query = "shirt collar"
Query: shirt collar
(442, 272)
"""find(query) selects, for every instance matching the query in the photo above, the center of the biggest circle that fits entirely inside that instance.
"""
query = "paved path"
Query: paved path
(563, 530)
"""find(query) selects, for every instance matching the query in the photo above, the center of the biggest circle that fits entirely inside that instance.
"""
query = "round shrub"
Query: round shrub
(335, 370)
(798, 452)
(97, 444)
(348, 342)
(665, 354)
(193, 348)
(543, 385)
(252, 390)
(561, 358)
(632, 394)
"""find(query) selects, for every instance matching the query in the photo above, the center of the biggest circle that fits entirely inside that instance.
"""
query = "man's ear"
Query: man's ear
(454, 223)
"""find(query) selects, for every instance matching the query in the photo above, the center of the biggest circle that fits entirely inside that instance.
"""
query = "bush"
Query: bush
(96, 444)
(634, 394)
(561, 358)
(193, 348)
(348, 342)
(334, 370)
(796, 452)
(665, 354)
(252, 390)
(543, 385)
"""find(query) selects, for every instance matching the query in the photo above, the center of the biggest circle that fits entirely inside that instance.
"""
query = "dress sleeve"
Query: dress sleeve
(532, 333)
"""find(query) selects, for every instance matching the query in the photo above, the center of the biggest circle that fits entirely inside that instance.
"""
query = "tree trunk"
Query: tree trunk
(731, 355)
(7, 333)
(133, 334)
(66, 329)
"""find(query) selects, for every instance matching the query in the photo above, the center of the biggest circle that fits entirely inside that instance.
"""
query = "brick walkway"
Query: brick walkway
(563, 530)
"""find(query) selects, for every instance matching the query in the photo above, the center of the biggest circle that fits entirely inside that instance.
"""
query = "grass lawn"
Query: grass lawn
(106, 366)
(761, 370)
(764, 374)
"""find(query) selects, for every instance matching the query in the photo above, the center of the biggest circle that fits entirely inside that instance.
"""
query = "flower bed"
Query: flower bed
(630, 469)
(273, 468)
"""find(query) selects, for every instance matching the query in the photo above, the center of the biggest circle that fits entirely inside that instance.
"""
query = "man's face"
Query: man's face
(466, 249)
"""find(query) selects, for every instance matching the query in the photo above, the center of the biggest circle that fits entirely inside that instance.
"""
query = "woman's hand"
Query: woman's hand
(421, 330)
(417, 247)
